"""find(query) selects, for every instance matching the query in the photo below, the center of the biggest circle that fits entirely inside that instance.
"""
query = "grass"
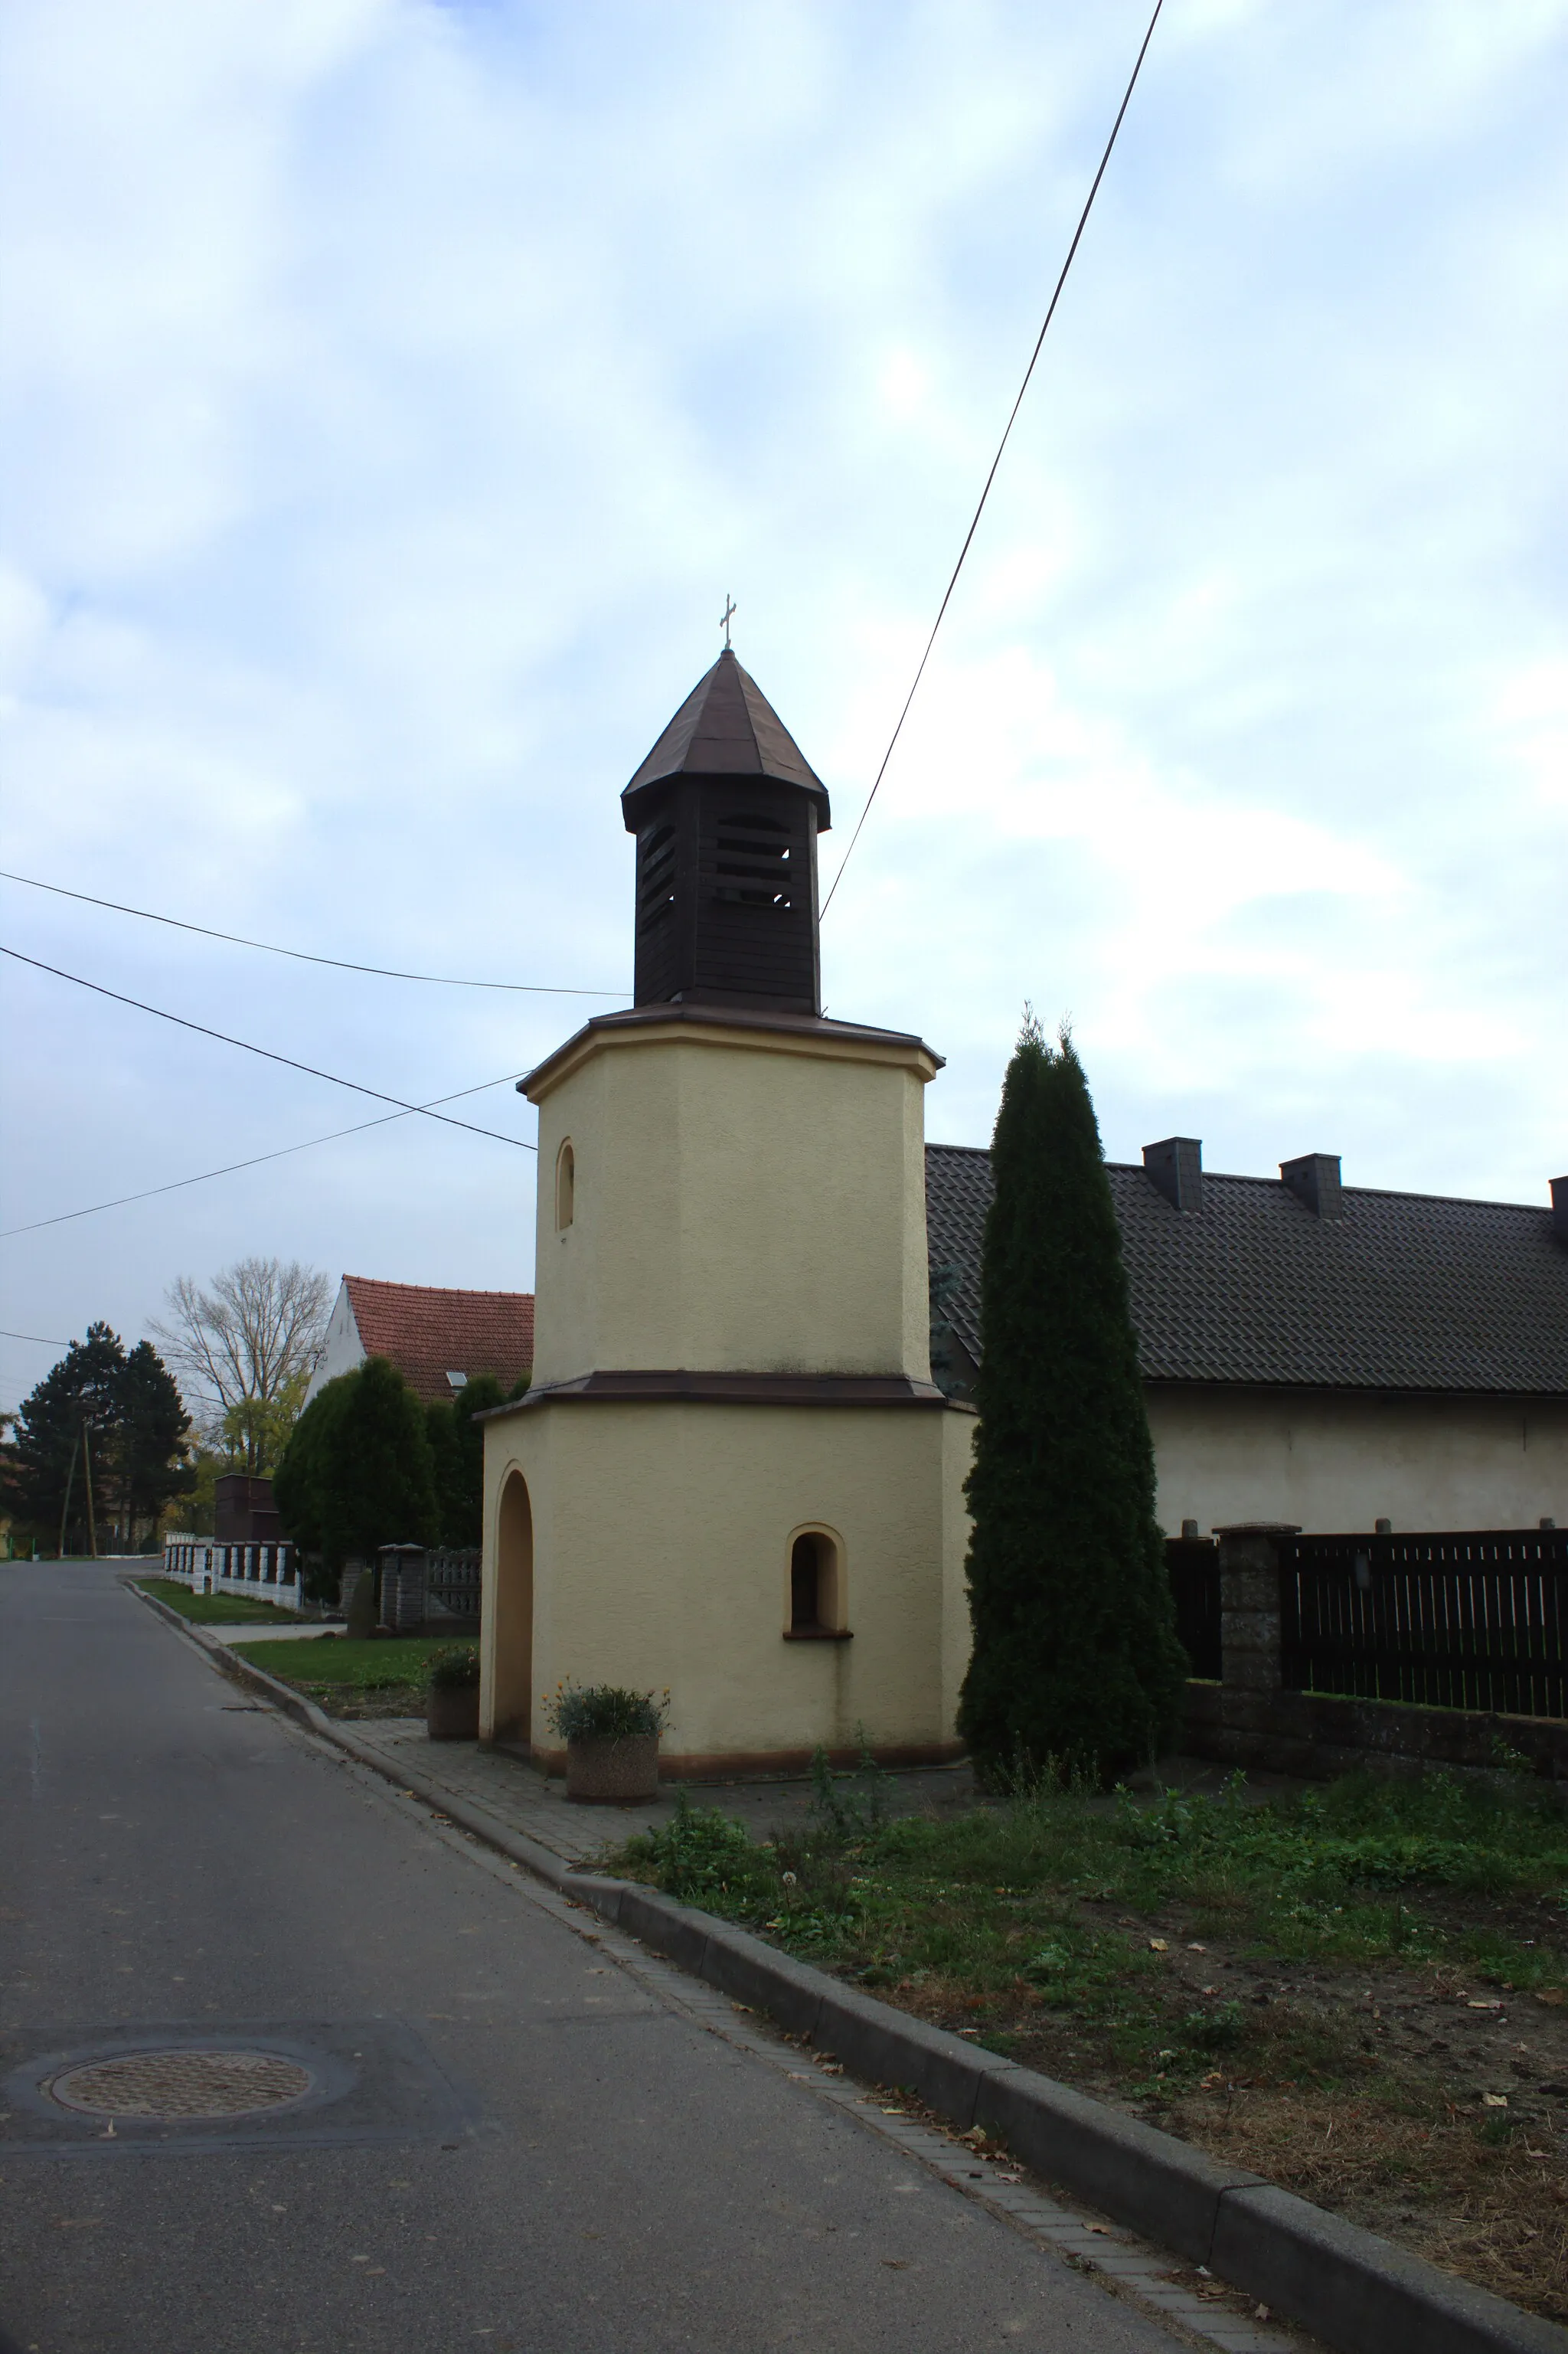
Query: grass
(215, 1609)
(1341, 1875)
(385, 1677)
(1362, 1990)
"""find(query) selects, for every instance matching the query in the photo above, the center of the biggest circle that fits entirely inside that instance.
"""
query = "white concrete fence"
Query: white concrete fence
(262, 1572)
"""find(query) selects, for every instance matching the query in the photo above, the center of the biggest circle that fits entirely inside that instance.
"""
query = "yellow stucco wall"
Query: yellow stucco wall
(1339, 1462)
(661, 1538)
(744, 1200)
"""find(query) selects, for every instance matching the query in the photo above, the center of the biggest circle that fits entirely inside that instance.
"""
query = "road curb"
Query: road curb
(541, 1861)
(1358, 2293)
(238, 1670)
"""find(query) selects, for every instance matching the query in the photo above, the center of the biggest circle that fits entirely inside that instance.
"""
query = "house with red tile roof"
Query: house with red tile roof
(438, 1340)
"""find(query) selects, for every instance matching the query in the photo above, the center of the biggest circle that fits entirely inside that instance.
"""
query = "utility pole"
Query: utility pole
(87, 1472)
(64, 1507)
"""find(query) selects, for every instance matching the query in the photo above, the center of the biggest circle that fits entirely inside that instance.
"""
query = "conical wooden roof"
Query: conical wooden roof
(727, 727)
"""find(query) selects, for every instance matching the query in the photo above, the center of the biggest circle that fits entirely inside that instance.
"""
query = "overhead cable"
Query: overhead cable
(304, 956)
(377, 1094)
(33, 1336)
(283, 1151)
(1013, 414)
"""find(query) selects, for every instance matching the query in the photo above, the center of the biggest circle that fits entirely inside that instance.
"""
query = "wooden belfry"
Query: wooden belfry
(726, 814)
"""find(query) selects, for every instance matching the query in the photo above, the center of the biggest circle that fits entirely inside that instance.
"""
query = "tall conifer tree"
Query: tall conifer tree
(357, 1472)
(1076, 1656)
(299, 1482)
(120, 1417)
(456, 1451)
(381, 1487)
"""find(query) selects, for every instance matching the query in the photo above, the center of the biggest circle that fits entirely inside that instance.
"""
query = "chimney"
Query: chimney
(1176, 1167)
(1559, 1207)
(1314, 1179)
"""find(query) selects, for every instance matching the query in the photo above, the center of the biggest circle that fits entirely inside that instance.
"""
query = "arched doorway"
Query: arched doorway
(514, 1693)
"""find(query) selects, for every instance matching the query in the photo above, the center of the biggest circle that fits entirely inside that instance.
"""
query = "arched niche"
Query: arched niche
(816, 1585)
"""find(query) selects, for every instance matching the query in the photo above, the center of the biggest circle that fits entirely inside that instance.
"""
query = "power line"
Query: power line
(303, 956)
(376, 1094)
(1012, 413)
(33, 1336)
(177, 1184)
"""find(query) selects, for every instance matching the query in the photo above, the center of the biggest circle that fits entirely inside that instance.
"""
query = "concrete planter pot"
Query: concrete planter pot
(451, 1711)
(613, 1773)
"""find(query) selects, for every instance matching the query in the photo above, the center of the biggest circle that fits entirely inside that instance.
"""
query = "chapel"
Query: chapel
(733, 1476)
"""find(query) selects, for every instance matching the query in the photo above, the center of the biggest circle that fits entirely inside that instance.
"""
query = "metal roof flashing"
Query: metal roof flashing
(756, 1026)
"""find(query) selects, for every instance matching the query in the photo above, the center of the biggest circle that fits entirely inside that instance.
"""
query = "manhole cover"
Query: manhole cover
(182, 2084)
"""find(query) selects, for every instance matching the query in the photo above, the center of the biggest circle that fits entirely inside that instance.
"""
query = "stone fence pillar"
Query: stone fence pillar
(1250, 1636)
(402, 1588)
(357, 1596)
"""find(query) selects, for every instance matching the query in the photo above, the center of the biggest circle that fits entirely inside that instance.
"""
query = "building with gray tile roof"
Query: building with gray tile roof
(1390, 1291)
(1269, 1310)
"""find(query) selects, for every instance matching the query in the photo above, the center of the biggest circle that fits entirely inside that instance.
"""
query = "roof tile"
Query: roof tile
(428, 1333)
(1403, 1291)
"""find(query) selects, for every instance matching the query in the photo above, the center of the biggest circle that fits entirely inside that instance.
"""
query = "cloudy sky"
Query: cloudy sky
(393, 391)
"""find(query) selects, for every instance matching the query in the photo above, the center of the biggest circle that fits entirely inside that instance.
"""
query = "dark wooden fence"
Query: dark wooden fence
(1474, 1619)
(1193, 1564)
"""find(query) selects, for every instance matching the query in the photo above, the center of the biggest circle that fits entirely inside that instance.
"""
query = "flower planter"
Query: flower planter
(451, 1711)
(613, 1773)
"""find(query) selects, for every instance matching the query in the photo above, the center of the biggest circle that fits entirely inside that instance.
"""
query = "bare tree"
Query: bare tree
(246, 1349)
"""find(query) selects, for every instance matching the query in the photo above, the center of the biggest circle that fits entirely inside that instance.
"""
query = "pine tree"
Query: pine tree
(45, 1475)
(150, 1450)
(97, 1411)
(1075, 1657)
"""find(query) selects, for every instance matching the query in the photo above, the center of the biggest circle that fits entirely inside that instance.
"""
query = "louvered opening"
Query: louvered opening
(656, 875)
(753, 866)
(726, 897)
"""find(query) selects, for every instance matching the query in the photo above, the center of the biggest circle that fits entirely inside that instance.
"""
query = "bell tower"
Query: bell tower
(732, 1473)
(726, 814)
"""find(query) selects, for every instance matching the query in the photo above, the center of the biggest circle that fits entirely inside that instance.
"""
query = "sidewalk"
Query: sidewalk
(515, 1793)
(517, 1796)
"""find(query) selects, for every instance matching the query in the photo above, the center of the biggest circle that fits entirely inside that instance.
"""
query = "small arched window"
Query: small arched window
(816, 1587)
(566, 1186)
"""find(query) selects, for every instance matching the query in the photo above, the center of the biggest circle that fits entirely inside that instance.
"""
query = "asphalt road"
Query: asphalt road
(536, 2153)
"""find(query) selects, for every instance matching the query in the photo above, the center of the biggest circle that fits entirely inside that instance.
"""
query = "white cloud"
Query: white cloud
(398, 390)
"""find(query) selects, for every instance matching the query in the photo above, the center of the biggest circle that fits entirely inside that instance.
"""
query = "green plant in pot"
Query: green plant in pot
(612, 1740)
(451, 1697)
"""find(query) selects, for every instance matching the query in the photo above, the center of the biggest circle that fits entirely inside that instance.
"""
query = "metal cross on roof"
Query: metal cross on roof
(729, 608)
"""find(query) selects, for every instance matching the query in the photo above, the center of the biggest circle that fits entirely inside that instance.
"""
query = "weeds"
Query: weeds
(1345, 1874)
(842, 1810)
(1036, 1906)
(700, 1855)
